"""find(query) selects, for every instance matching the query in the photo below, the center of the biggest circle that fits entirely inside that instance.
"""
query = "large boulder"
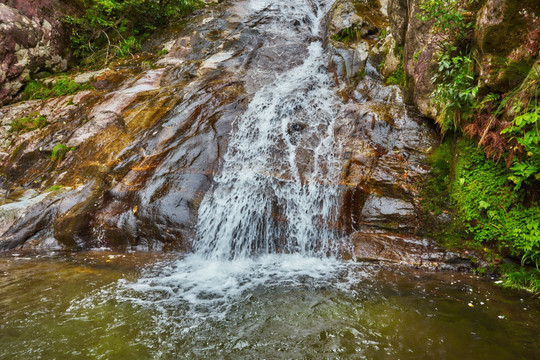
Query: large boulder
(32, 39)
(507, 34)
(351, 31)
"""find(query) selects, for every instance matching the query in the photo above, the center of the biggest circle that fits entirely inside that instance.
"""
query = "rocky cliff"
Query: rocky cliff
(32, 40)
(505, 32)
(127, 163)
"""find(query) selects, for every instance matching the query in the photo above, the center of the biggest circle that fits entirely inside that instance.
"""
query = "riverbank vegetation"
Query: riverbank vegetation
(488, 167)
(109, 29)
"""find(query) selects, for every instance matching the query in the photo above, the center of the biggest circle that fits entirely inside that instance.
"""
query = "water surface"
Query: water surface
(140, 306)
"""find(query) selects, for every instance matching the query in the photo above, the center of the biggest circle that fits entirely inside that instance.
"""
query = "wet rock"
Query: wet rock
(398, 13)
(506, 33)
(412, 251)
(149, 141)
(128, 148)
(385, 148)
(350, 35)
(377, 209)
(12, 211)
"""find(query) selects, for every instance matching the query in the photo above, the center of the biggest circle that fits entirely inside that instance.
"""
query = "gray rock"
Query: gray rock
(32, 39)
(398, 14)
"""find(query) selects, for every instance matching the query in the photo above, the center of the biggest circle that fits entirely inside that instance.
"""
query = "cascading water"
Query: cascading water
(260, 283)
(277, 188)
(267, 198)
(270, 218)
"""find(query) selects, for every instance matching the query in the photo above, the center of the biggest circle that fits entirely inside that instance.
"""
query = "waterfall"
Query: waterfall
(277, 189)
(270, 219)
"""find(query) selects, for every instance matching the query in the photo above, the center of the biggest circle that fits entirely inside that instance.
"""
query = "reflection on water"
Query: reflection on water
(102, 305)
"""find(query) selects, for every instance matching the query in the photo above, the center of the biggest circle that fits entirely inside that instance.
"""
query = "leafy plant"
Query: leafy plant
(448, 16)
(115, 28)
(31, 122)
(522, 279)
(455, 94)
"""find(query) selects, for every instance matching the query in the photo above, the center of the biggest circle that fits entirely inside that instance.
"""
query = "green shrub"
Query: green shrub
(31, 122)
(491, 208)
(448, 16)
(455, 95)
(115, 28)
(456, 91)
(523, 133)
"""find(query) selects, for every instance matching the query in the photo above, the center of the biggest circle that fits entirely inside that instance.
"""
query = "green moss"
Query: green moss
(16, 151)
(362, 73)
(33, 121)
(398, 76)
(416, 55)
(348, 35)
(61, 87)
(436, 201)
(162, 52)
(54, 188)
(490, 206)
(488, 211)
(59, 152)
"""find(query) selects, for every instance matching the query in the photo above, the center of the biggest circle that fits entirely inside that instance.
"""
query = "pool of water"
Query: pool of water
(103, 305)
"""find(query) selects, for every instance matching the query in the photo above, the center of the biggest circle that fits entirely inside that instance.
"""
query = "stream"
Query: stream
(264, 277)
(102, 305)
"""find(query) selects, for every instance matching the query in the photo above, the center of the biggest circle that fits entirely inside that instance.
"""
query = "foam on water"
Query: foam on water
(209, 288)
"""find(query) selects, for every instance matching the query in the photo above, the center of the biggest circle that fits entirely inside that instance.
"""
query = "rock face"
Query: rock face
(506, 32)
(385, 148)
(32, 39)
(408, 250)
(350, 34)
(398, 13)
(146, 143)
